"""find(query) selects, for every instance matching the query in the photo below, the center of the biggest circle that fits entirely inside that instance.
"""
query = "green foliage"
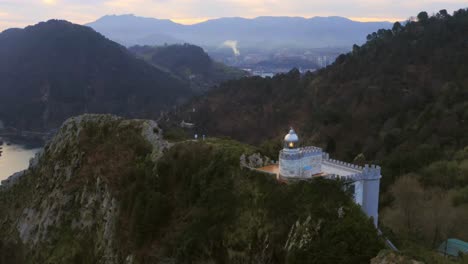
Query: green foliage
(461, 196)
(175, 134)
(271, 148)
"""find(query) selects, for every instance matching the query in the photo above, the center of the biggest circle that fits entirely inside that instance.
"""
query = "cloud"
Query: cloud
(233, 45)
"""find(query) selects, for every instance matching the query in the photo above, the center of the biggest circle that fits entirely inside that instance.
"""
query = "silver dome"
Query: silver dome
(291, 136)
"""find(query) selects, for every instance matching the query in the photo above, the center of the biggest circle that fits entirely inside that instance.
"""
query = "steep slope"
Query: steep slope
(109, 190)
(264, 32)
(55, 69)
(190, 63)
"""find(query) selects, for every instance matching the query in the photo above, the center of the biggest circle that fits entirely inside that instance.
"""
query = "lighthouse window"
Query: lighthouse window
(291, 144)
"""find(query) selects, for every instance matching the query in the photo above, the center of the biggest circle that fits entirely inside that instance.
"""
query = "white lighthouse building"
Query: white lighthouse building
(301, 163)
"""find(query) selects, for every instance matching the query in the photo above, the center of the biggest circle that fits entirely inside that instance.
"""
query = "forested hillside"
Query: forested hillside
(400, 100)
(56, 69)
(190, 63)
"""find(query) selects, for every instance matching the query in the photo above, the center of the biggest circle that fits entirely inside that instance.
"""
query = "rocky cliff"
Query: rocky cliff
(66, 205)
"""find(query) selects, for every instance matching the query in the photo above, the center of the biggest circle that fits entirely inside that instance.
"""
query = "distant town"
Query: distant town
(268, 63)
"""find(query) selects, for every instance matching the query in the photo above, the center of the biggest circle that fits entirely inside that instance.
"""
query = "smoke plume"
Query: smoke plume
(233, 45)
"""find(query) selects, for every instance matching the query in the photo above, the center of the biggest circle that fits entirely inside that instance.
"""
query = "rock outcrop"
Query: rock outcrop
(57, 199)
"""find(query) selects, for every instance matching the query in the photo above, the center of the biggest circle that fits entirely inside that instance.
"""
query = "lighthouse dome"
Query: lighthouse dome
(291, 136)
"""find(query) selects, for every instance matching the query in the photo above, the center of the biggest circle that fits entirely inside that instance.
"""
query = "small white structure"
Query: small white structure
(301, 163)
(186, 124)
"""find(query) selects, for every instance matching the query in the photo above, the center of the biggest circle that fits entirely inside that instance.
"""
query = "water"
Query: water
(15, 157)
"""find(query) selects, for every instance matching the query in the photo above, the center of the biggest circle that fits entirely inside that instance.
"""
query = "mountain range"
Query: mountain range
(264, 32)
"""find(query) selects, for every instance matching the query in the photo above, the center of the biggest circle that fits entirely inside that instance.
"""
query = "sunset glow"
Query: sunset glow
(27, 12)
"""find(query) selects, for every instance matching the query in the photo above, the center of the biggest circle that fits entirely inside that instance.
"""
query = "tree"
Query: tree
(360, 159)
(397, 28)
(355, 49)
(407, 206)
(443, 14)
(423, 16)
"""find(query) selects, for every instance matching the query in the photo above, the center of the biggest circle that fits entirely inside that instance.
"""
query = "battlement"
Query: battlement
(341, 163)
(371, 172)
(309, 149)
(300, 153)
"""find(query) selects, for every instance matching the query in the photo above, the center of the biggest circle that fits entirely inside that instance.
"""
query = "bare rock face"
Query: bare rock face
(64, 199)
(255, 160)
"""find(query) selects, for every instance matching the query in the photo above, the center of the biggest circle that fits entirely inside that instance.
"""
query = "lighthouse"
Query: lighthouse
(307, 162)
(296, 161)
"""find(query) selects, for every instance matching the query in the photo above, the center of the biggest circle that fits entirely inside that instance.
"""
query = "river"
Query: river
(15, 157)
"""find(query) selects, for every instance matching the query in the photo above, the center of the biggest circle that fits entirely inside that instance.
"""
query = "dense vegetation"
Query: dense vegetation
(190, 63)
(399, 100)
(193, 205)
(56, 69)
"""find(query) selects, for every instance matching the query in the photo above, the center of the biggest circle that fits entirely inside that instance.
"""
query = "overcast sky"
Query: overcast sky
(19, 13)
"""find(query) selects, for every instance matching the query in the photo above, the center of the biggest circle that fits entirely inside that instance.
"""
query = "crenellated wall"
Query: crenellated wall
(366, 187)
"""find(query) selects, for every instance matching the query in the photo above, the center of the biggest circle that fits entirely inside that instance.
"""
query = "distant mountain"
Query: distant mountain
(190, 63)
(260, 32)
(56, 69)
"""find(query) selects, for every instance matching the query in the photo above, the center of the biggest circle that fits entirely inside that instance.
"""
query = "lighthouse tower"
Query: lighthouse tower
(290, 156)
(299, 162)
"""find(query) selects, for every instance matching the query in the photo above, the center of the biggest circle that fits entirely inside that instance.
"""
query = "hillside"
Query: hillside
(190, 63)
(110, 190)
(401, 100)
(56, 69)
(260, 32)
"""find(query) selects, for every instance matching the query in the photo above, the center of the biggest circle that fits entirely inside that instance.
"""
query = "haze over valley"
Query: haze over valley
(262, 44)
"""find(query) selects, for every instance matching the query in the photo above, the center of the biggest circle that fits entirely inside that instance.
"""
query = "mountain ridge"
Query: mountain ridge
(271, 31)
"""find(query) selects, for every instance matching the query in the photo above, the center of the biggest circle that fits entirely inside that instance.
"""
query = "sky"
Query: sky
(20, 13)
